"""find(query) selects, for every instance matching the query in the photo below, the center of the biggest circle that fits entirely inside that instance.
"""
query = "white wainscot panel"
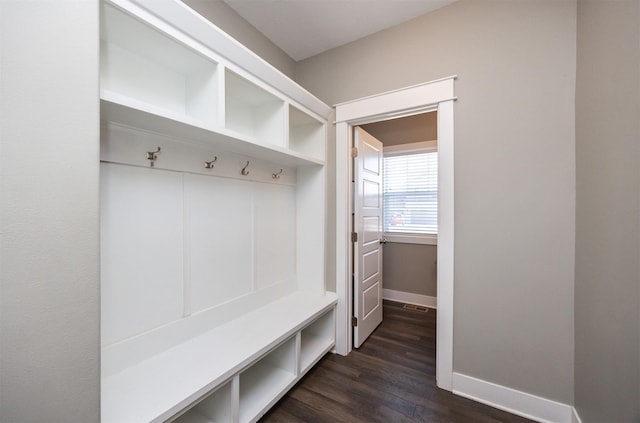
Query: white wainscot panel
(275, 234)
(141, 250)
(218, 231)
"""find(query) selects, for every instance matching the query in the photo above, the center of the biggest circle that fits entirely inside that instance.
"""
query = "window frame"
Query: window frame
(403, 150)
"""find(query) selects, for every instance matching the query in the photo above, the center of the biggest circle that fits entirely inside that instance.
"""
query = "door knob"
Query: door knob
(383, 240)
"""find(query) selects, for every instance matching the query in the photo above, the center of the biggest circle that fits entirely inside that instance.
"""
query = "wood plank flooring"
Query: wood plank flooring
(391, 378)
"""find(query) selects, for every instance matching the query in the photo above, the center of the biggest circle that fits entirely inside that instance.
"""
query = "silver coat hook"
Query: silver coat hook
(276, 175)
(244, 170)
(209, 165)
(152, 156)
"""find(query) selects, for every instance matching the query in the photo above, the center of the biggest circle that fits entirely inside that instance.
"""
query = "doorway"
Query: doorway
(409, 218)
(432, 96)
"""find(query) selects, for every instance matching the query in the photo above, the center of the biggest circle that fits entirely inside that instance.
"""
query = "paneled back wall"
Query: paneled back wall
(175, 244)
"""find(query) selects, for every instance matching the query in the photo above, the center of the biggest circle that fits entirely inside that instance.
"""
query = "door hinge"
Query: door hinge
(354, 152)
(354, 237)
(354, 321)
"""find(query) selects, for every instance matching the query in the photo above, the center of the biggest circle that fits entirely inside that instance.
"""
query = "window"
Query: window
(411, 193)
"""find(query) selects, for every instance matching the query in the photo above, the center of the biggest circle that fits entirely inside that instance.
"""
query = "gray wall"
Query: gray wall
(49, 289)
(514, 170)
(408, 267)
(227, 19)
(607, 291)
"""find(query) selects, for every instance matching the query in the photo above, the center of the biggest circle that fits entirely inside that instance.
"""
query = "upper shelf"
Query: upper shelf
(156, 78)
(115, 108)
(168, 15)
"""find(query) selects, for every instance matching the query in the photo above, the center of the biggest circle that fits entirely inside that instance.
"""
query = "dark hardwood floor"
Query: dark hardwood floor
(391, 378)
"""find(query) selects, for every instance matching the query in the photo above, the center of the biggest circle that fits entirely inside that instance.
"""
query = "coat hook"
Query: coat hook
(276, 175)
(244, 170)
(209, 165)
(152, 156)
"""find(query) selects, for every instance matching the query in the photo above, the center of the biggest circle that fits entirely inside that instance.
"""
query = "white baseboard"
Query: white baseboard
(575, 417)
(409, 298)
(513, 401)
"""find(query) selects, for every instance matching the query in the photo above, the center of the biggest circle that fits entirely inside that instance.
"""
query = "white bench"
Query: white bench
(238, 369)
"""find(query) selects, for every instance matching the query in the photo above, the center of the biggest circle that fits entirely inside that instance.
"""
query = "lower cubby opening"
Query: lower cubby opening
(214, 408)
(262, 384)
(316, 339)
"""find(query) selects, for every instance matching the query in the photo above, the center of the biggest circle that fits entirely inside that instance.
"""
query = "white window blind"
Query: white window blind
(411, 193)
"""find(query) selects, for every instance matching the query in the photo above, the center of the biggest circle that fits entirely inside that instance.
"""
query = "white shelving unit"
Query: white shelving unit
(213, 222)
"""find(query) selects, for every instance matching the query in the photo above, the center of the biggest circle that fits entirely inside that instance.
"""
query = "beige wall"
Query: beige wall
(607, 292)
(49, 275)
(227, 19)
(514, 170)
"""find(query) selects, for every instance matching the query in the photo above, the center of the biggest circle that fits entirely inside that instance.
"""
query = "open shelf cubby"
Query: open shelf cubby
(146, 69)
(262, 384)
(306, 134)
(316, 340)
(253, 112)
(214, 408)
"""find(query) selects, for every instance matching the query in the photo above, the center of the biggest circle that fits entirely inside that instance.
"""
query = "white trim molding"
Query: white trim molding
(428, 97)
(511, 400)
(410, 298)
(445, 253)
(396, 103)
(575, 417)
(404, 238)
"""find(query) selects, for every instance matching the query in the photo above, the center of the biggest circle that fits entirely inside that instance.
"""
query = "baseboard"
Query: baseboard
(515, 402)
(409, 298)
(575, 417)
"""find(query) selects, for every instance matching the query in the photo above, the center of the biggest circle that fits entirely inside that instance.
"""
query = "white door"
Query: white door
(367, 247)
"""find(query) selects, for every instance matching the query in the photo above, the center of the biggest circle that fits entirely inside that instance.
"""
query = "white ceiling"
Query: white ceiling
(304, 28)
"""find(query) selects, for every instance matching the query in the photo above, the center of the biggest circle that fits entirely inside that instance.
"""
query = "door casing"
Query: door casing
(437, 96)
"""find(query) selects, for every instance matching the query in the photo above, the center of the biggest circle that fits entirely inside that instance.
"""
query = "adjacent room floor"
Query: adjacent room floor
(391, 378)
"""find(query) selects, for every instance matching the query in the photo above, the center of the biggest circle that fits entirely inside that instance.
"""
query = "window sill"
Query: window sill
(411, 238)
